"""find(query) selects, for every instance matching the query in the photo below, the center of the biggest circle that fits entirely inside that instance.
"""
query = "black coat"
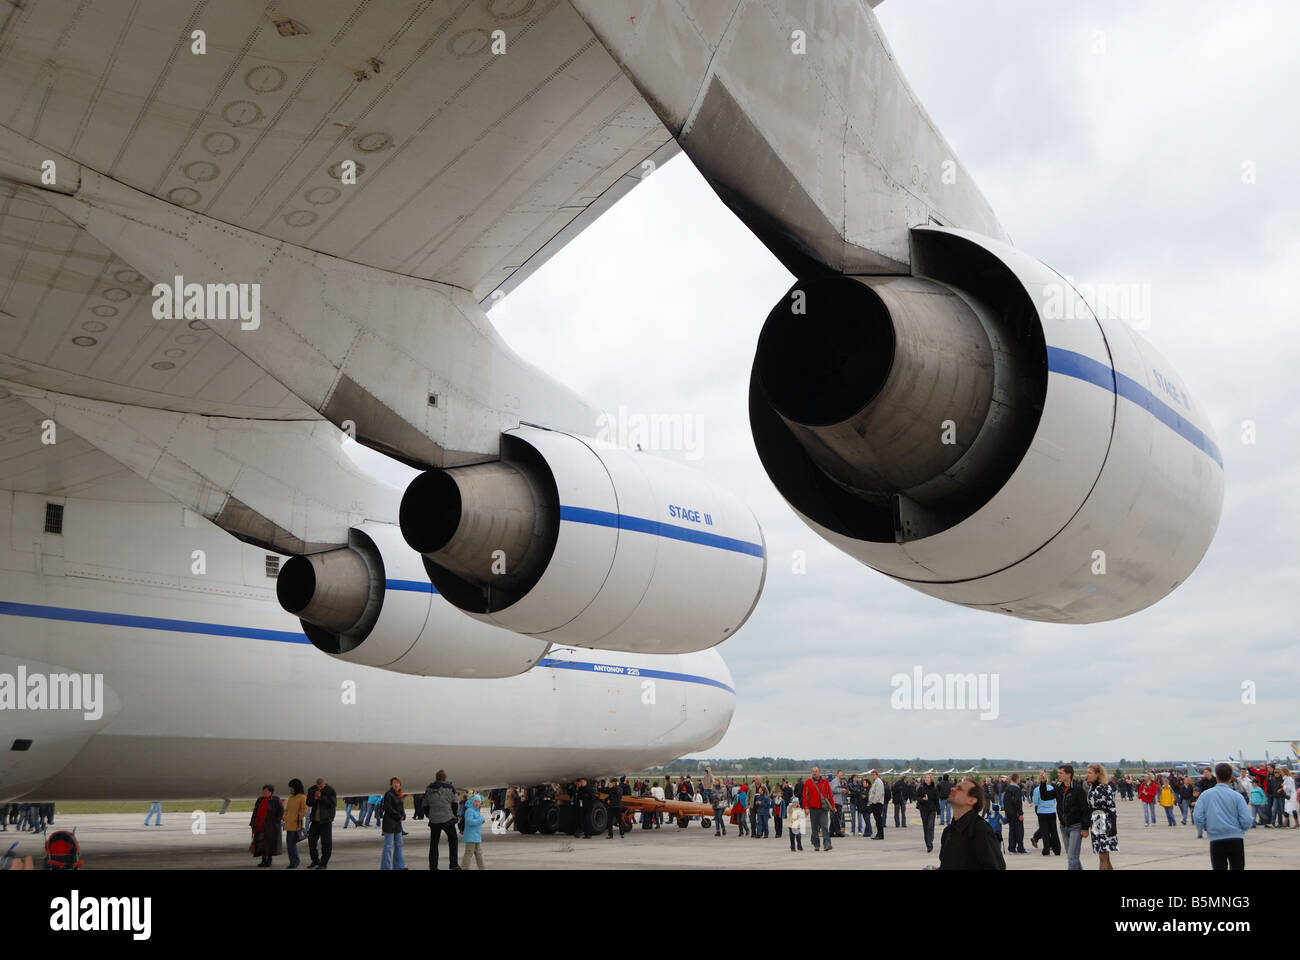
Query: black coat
(1072, 805)
(267, 843)
(394, 812)
(927, 797)
(325, 805)
(1013, 801)
(968, 843)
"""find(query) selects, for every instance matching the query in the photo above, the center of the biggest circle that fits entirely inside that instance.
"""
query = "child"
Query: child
(1257, 803)
(995, 820)
(473, 832)
(796, 818)
(719, 813)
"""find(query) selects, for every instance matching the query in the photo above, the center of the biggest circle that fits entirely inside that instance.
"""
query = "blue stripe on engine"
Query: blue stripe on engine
(1081, 367)
(73, 615)
(621, 521)
(621, 671)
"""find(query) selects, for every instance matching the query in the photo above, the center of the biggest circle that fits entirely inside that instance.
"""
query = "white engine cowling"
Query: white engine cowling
(370, 603)
(1089, 487)
(589, 545)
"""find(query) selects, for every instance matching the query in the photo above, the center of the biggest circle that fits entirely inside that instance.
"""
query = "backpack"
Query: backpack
(62, 852)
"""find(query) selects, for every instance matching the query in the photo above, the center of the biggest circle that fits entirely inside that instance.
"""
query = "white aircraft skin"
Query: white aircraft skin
(206, 714)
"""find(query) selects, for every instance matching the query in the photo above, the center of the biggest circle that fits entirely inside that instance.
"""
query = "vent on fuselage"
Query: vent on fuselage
(54, 518)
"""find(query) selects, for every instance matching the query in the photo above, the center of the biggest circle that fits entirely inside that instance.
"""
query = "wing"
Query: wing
(479, 130)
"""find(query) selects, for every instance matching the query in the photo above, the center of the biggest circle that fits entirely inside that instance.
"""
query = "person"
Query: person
(440, 811)
(945, 811)
(968, 843)
(927, 805)
(1072, 809)
(752, 806)
(1103, 818)
(1206, 782)
(512, 802)
(763, 803)
(348, 815)
(155, 809)
(798, 821)
(4, 817)
(1044, 800)
(900, 795)
(837, 804)
(817, 801)
(584, 795)
(295, 812)
(1277, 795)
(1292, 806)
(995, 820)
(323, 803)
(876, 797)
(708, 786)
(473, 832)
(738, 811)
(268, 811)
(1013, 802)
(1183, 794)
(392, 813)
(1165, 797)
(1222, 813)
(615, 802)
(778, 810)
(719, 812)
(1257, 801)
(1147, 794)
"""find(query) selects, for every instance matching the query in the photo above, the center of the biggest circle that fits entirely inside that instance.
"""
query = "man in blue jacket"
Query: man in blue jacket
(1222, 813)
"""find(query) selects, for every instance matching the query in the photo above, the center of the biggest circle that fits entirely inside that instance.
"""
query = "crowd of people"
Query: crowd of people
(26, 817)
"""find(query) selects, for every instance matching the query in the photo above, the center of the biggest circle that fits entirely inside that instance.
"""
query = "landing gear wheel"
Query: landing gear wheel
(525, 818)
(547, 817)
(598, 818)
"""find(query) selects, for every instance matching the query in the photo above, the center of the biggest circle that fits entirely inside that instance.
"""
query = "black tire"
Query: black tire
(683, 822)
(525, 818)
(598, 818)
(705, 822)
(547, 817)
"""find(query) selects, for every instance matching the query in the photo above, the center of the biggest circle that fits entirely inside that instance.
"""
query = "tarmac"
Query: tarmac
(121, 842)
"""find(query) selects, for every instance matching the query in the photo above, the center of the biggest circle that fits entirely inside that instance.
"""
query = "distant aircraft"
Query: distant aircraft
(889, 771)
(924, 772)
(950, 770)
(971, 770)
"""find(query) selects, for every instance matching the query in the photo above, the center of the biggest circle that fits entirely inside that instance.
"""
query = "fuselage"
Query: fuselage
(211, 690)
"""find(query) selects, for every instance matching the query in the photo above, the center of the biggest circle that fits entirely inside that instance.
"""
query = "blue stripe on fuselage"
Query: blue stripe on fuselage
(73, 615)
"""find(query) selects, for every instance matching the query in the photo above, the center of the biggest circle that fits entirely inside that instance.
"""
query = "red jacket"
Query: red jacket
(816, 795)
(1147, 792)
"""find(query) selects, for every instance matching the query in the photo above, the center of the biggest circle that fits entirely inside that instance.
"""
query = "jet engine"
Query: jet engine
(570, 540)
(370, 603)
(975, 431)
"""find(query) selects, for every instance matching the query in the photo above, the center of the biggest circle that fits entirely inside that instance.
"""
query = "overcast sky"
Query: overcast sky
(1122, 165)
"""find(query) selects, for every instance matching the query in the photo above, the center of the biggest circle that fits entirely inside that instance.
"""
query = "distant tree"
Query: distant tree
(984, 763)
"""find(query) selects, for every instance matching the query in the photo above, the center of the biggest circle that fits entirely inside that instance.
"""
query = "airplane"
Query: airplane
(885, 773)
(950, 770)
(924, 772)
(971, 770)
(248, 268)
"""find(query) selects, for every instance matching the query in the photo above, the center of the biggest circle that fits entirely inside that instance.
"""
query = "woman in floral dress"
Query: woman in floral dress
(1101, 809)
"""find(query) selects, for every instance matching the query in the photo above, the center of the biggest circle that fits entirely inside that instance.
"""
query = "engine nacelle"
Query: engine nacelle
(371, 603)
(569, 540)
(975, 432)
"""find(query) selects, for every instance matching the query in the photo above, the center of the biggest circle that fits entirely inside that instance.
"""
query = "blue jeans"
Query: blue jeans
(367, 811)
(392, 857)
(1260, 816)
(348, 815)
(1073, 841)
(1279, 811)
(291, 838)
(154, 808)
(945, 812)
(1148, 813)
(1182, 805)
(1169, 812)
